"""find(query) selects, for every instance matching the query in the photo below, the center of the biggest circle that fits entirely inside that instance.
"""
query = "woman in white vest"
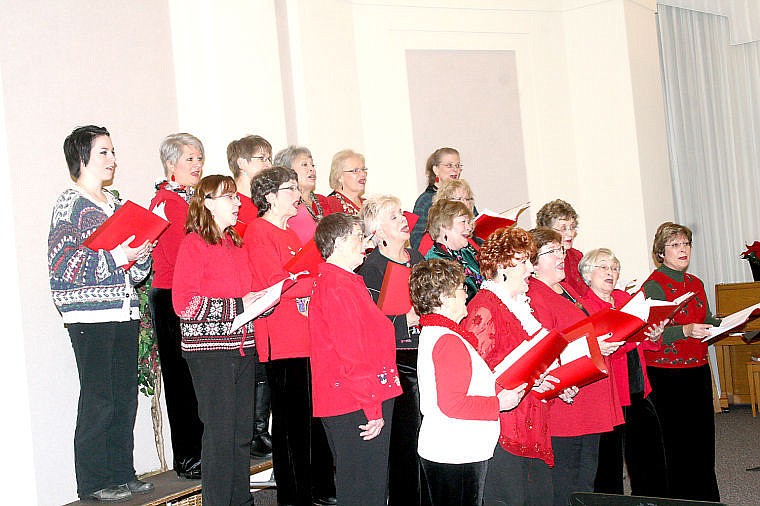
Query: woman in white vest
(458, 399)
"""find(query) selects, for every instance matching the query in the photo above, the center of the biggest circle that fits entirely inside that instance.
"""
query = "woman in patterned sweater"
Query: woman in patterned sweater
(95, 295)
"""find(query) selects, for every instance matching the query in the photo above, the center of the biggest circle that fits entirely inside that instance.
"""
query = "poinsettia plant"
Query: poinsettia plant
(752, 253)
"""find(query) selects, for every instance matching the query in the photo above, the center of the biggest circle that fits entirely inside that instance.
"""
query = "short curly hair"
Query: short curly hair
(449, 187)
(431, 280)
(500, 249)
(541, 237)
(665, 233)
(268, 181)
(592, 258)
(443, 213)
(375, 210)
(555, 210)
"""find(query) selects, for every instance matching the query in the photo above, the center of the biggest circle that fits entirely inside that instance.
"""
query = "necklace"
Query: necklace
(320, 213)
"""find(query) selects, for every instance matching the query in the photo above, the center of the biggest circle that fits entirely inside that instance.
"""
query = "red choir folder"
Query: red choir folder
(307, 259)
(394, 296)
(530, 359)
(411, 219)
(581, 364)
(653, 311)
(487, 222)
(240, 227)
(129, 219)
(303, 224)
(425, 243)
(621, 325)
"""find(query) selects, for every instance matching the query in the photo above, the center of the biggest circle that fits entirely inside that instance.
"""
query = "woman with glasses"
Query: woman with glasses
(575, 428)
(560, 216)
(353, 365)
(442, 164)
(680, 371)
(639, 440)
(182, 157)
(247, 157)
(450, 227)
(282, 338)
(300, 160)
(212, 285)
(348, 178)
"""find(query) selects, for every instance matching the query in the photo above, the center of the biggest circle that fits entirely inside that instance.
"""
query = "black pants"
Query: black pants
(575, 463)
(224, 383)
(361, 467)
(406, 485)
(106, 356)
(455, 484)
(517, 481)
(683, 400)
(292, 457)
(181, 405)
(639, 442)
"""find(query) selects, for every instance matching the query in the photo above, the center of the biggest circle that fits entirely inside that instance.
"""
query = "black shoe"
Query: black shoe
(324, 501)
(189, 468)
(140, 487)
(112, 494)
(261, 446)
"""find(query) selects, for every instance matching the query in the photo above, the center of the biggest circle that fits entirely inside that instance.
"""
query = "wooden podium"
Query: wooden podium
(732, 352)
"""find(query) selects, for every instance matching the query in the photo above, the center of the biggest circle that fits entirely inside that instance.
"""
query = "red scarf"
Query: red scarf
(437, 320)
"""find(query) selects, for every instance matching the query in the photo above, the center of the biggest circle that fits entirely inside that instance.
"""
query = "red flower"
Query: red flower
(753, 250)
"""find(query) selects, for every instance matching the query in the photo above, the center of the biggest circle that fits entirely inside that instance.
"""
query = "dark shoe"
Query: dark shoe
(261, 446)
(189, 468)
(112, 494)
(140, 487)
(324, 501)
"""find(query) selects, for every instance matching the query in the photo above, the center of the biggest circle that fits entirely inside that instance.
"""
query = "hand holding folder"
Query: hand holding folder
(581, 364)
(263, 301)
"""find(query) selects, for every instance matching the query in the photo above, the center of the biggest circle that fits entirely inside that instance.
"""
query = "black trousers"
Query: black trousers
(106, 356)
(455, 484)
(300, 467)
(406, 486)
(361, 467)
(517, 481)
(639, 442)
(224, 383)
(181, 405)
(575, 463)
(683, 400)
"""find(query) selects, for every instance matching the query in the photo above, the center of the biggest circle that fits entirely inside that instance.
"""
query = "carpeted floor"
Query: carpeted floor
(737, 437)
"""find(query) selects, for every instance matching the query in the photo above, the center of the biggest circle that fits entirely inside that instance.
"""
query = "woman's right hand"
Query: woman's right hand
(139, 253)
(509, 399)
(371, 429)
(251, 297)
(545, 383)
(696, 330)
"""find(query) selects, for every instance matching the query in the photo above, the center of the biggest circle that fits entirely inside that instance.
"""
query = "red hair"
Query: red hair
(501, 247)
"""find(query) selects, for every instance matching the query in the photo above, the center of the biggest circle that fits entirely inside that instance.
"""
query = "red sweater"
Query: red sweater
(209, 283)
(339, 203)
(285, 332)
(248, 210)
(618, 361)
(524, 430)
(572, 274)
(596, 408)
(165, 252)
(353, 348)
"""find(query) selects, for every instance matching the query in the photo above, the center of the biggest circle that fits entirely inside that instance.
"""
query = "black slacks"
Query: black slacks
(106, 357)
(361, 467)
(517, 481)
(575, 463)
(224, 383)
(455, 484)
(181, 405)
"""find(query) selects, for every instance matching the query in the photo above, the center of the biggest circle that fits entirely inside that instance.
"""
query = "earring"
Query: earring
(385, 244)
(173, 178)
(445, 237)
(504, 277)
(437, 179)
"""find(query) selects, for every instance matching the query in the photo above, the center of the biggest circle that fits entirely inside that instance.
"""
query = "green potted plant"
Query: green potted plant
(751, 254)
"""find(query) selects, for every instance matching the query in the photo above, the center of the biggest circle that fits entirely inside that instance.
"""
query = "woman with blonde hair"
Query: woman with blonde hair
(348, 178)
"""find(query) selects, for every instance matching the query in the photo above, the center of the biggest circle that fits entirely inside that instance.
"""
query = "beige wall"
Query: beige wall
(329, 74)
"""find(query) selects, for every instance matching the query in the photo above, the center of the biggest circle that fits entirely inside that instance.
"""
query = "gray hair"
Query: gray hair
(374, 211)
(590, 259)
(285, 157)
(171, 148)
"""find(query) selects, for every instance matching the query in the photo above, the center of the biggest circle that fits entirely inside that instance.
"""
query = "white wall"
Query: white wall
(329, 74)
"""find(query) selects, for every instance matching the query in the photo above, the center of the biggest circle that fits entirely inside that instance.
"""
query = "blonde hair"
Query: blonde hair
(336, 168)
(374, 211)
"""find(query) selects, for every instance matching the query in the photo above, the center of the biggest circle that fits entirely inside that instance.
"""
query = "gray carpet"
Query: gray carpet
(737, 438)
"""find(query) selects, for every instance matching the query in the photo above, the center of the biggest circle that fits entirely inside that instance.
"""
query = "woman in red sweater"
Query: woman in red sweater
(182, 157)
(353, 352)
(212, 284)
(575, 428)
(561, 217)
(282, 340)
(348, 178)
(639, 440)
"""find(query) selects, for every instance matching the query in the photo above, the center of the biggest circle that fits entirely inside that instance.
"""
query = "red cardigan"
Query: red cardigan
(572, 274)
(248, 210)
(165, 252)
(596, 408)
(525, 429)
(353, 347)
(618, 361)
(285, 332)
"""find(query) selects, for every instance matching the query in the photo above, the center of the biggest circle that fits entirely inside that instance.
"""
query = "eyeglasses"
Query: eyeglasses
(607, 268)
(557, 252)
(265, 159)
(293, 188)
(451, 165)
(463, 199)
(232, 197)
(572, 228)
(678, 245)
(357, 170)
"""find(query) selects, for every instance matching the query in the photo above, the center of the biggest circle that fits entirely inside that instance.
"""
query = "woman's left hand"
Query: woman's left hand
(654, 332)
(139, 253)
(371, 429)
(568, 394)
(608, 348)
